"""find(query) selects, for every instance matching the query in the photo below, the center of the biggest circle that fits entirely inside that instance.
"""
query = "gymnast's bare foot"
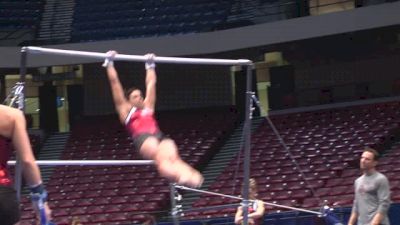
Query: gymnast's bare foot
(188, 176)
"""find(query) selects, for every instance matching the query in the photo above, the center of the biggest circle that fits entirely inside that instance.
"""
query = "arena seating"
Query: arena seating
(20, 14)
(326, 146)
(102, 20)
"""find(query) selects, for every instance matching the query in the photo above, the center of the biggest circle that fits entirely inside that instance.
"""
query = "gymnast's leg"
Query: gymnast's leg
(168, 162)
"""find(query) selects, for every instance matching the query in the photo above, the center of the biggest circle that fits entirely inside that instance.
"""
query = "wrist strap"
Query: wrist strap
(38, 193)
(150, 64)
(39, 188)
(109, 60)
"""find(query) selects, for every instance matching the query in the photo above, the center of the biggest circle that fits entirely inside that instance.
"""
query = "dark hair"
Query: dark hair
(373, 151)
(132, 89)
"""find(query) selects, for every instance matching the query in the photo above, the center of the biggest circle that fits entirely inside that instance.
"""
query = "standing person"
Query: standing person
(372, 193)
(137, 114)
(13, 127)
(256, 207)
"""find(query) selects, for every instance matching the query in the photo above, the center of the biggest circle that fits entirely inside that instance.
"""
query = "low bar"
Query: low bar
(90, 162)
(239, 198)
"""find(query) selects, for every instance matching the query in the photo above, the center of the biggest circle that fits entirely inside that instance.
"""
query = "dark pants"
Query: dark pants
(9, 206)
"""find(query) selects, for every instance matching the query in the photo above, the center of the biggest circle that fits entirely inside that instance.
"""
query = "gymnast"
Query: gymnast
(256, 208)
(136, 112)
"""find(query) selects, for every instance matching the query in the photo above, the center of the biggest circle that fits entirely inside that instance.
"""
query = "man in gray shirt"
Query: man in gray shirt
(372, 193)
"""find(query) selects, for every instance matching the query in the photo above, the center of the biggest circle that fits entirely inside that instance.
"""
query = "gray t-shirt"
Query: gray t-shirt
(372, 195)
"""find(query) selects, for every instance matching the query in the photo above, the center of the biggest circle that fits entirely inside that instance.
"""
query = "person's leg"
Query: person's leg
(149, 149)
(168, 162)
(168, 152)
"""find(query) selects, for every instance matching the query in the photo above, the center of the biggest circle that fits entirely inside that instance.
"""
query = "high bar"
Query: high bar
(90, 162)
(138, 58)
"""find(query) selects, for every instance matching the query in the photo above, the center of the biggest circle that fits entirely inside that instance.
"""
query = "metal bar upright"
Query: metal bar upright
(174, 208)
(247, 138)
(21, 106)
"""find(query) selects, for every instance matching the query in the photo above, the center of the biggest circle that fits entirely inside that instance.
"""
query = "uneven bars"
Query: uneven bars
(140, 58)
(239, 198)
(90, 162)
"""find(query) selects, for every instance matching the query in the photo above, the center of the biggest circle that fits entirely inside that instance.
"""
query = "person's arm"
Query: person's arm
(353, 218)
(13, 126)
(377, 218)
(121, 104)
(151, 80)
(259, 212)
(24, 152)
(239, 215)
(384, 201)
(354, 210)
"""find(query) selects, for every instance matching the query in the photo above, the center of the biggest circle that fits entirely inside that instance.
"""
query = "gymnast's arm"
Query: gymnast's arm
(239, 215)
(13, 126)
(151, 79)
(121, 103)
(259, 212)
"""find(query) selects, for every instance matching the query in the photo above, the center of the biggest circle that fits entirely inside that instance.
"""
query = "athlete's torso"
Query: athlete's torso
(252, 208)
(141, 121)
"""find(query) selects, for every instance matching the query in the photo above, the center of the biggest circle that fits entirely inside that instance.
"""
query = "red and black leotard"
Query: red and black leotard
(141, 121)
(141, 124)
(9, 207)
(5, 179)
